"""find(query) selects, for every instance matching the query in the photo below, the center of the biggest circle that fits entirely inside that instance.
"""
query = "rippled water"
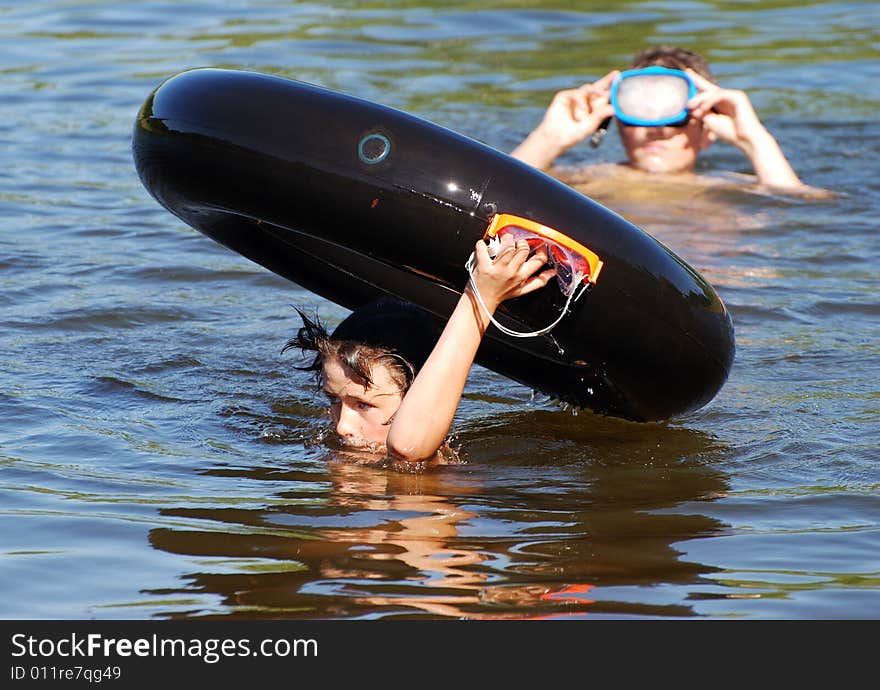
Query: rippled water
(159, 458)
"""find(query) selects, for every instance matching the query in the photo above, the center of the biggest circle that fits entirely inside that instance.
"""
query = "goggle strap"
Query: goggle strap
(573, 296)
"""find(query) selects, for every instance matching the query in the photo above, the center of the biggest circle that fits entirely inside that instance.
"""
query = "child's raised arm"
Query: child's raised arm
(422, 422)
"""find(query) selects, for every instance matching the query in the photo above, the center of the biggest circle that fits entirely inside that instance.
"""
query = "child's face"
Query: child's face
(360, 414)
(663, 149)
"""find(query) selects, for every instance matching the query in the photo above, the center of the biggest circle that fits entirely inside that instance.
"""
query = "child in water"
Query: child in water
(393, 389)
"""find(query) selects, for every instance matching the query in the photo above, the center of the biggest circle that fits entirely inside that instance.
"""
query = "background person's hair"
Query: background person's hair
(673, 57)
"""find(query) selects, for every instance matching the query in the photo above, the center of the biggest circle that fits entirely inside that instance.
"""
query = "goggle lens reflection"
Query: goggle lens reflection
(652, 97)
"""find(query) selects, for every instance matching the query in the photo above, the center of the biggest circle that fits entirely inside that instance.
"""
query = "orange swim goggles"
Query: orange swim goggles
(577, 268)
(574, 263)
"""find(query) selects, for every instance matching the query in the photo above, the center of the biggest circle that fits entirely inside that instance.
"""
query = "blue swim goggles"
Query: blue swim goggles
(652, 96)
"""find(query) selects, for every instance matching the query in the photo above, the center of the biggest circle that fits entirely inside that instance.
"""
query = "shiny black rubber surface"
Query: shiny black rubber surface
(352, 200)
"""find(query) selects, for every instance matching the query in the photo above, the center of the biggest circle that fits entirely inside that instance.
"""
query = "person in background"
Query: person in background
(653, 144)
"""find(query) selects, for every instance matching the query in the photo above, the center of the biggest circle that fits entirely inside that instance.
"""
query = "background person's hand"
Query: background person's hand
(728, 115)
(572, 116)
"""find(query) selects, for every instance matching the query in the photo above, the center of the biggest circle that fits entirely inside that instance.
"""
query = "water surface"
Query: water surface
(159, 458)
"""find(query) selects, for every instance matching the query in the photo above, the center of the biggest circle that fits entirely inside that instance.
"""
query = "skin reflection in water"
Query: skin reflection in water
(423, 542)
(549, 510)
(700, 218)
(705, 219)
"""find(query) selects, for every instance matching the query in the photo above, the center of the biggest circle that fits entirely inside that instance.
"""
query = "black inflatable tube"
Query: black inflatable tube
(353, 200)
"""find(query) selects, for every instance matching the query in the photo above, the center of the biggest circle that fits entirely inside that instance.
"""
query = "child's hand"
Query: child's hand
(511, 273)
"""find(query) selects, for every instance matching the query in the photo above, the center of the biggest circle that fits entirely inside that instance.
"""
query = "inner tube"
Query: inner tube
(353, 200)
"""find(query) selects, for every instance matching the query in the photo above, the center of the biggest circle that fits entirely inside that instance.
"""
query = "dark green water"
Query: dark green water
(159, 458)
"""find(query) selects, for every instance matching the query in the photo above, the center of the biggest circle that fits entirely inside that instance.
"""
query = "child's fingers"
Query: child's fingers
(481, 253)
(512, 254)
(506, 250)
(536, 281)
(541, 254)
(502, 255)
(532, 263)
(530, 278)
(522, 246)
(481, 249)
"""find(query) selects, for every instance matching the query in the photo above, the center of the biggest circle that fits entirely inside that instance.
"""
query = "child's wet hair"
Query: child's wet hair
(358, 357)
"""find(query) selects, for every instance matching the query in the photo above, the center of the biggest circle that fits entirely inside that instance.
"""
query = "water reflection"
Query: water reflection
(716, 223)
(548, 510)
